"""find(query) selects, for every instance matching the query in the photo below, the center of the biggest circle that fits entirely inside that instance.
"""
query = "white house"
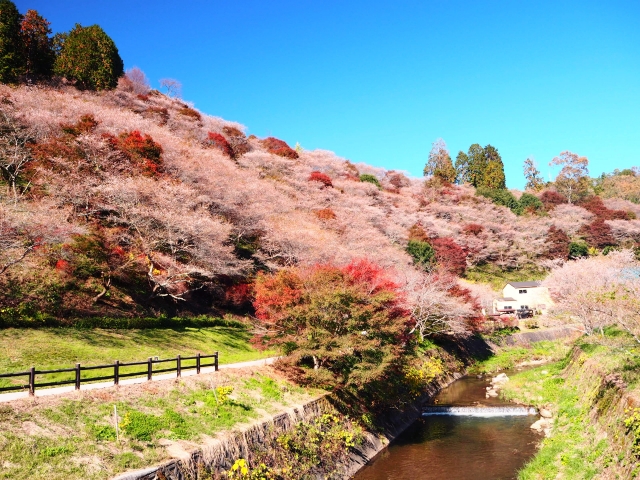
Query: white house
(522, 295)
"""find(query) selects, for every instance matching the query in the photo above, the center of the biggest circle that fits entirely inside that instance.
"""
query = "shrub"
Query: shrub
(190, 112)
(551, 199)
(325, 214)
(89, 57)
(279, 147)
(140, 148)
(422, 253)
(500, 197)
(367, 177)
(86, 124)
(530, 204)
(216, 140)
(416, 232)
(237, 140)
(472, 229)
(321, 177)
(578, 250)
(162, 112)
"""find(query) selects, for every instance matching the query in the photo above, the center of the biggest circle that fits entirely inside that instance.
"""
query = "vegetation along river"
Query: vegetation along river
(466, 445)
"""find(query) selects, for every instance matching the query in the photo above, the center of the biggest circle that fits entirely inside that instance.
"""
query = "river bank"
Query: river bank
(593, 398)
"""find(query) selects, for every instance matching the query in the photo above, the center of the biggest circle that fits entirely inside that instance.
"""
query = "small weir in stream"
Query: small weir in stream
(463, 436)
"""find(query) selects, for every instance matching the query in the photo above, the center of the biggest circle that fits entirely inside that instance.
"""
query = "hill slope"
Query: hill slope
(121, 204)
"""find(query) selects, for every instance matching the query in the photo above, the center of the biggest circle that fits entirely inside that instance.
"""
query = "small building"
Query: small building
(522, 296)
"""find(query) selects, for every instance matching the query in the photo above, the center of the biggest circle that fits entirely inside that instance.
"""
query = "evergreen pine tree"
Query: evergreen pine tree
(11, 53)
(90, 57)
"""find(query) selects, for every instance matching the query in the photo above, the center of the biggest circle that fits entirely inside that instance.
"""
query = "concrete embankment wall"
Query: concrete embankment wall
(220, 454)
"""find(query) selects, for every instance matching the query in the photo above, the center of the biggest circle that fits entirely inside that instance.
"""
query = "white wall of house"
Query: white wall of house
(536, 298)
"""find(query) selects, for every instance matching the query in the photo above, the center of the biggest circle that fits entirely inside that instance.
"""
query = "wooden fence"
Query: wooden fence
(115, 367)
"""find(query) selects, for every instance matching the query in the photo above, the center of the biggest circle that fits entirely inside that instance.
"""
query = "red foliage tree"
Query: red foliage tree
(37, 46)
(472, 229)
(598, 234)
(558, 242)
(551, 199)
(216, 140)
(595, 205)
(322, 178)
(449, 255)
(140, 148)
(279, 147)
(347, 322)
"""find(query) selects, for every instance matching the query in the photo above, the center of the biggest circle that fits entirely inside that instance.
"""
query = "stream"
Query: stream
(464, 436)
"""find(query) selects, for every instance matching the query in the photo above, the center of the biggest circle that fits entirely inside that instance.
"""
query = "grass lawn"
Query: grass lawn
(74, 437)
(56, 348)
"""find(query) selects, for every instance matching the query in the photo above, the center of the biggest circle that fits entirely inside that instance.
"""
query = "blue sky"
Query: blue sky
(378, 82)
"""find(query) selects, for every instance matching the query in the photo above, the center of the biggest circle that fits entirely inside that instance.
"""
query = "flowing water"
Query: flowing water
(465, 436)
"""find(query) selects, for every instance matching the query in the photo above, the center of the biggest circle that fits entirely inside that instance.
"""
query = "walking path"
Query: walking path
(8, 397)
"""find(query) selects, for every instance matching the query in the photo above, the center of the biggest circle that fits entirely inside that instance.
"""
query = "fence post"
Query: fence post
(150, 368)
(77, 376)
(198, 363)
(216, 361)
(179, 366)
(32, 381)
(116, 372)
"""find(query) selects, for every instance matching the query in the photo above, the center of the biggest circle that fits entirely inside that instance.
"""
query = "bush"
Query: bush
(422, 252)
(216, 140)
(530, 204)
(578, 250)
(279, 147)
(191, 113)
(500, 197)
(86, 124)
(595, 205)
(551, 199)
(237, 140)
(366, 177)
(325, 214)
(322, 178)
(140, 148)
(472, 229)
(89, 57)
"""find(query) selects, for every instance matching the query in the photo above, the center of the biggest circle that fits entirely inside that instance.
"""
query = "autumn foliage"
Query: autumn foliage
(216, 140)
(449, 255)
(345, 324)
(322, 178)
(551, 199)
(279, 147)
(139, 148)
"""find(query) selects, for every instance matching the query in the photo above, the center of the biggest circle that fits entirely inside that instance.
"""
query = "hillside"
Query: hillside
(121, 204)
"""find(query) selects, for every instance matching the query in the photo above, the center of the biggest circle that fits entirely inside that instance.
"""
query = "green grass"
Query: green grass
(63, 438)
(509, 357)
(498, 278)
(56, 348)
(578, 447)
